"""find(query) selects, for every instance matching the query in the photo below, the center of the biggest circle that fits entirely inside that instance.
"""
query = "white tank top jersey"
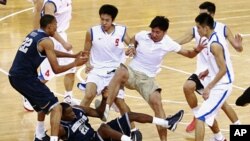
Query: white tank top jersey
(212, 65)
(150, 54)
(62, 13)
(201, 62)
(107, 49)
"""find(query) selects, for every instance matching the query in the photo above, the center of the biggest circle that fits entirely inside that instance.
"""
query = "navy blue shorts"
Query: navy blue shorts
(37, 93)
(121, 124)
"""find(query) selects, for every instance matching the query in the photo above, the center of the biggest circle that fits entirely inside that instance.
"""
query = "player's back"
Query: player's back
(28, 58)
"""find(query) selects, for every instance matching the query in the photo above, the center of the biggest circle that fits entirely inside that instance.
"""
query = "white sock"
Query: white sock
(40, 131)
(195, 110)
(53, 138)
(219, 136)
(106, 112)
(237, 122)
(125, 138)
(134, 129)
(160, 121)
(70, 93)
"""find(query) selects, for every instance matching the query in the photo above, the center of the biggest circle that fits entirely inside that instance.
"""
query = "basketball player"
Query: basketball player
(117, 129)
(218, 76)
(62, 11)
(23, 73)
(105, 42)
(150, 49)
(194, 83)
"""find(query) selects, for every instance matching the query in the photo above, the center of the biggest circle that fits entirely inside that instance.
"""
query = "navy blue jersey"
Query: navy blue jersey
(79, 129)
(28, 58)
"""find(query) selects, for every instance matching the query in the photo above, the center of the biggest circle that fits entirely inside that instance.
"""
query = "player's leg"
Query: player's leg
(119, 79)
(230, 112)
(190, 86)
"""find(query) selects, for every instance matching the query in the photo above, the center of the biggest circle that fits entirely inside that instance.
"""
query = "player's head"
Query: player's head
(204, 23)
(67, 112)
(159, 26)
(48, 24)
(207, 7)
(107, 14)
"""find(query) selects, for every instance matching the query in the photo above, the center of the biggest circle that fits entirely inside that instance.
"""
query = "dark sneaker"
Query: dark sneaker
(174, 120)
(45, 138)
(136, 135)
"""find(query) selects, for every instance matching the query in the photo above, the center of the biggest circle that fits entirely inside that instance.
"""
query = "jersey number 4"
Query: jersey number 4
(26, 43)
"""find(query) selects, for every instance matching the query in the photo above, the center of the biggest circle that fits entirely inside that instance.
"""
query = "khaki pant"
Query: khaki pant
(142, 83)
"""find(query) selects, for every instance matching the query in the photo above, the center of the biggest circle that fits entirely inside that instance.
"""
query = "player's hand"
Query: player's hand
(82, 58)
(202, 44)
(203, 74)
(131, 51)
(88, 67)
(105, 92)
(206, 93)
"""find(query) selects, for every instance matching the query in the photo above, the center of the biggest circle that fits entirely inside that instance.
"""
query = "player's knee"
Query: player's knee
(189, 86)
(121, 74)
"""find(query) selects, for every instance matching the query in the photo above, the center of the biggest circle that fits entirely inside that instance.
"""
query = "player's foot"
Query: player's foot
(136, 135)
(45, 138)
(27, 106)
(106, 112)
(191, 126)
(81, 86)
(70, 100)
(113, 106)
(174, 120)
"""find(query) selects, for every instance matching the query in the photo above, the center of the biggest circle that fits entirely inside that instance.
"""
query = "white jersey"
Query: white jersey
(63, 10)
(107, 51)
(201, 62)
(213, 69)
(150, 54)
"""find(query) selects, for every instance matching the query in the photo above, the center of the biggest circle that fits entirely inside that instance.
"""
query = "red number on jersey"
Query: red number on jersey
(47, 73)
(116, 42)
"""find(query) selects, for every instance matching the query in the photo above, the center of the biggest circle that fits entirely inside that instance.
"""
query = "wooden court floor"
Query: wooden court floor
(16, 21)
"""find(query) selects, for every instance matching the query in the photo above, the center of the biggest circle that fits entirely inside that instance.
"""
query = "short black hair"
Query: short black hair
(109, 9)
(46, 19)
(211, 8)
(205, 19)
(160, 22)
(64, 106)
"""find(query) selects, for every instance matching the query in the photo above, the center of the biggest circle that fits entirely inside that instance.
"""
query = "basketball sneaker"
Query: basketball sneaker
(27, 106)
(174, 120)
(191, 126)
(81, 86)
(45, 138)
(136, 135)
(70, 100)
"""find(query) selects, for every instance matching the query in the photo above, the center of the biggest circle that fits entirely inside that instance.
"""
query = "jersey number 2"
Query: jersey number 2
(26, 43)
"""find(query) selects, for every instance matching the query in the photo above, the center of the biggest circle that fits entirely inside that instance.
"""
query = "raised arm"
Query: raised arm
(38, 5)
(235, 41)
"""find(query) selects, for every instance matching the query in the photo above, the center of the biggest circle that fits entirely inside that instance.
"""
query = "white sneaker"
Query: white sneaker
(81, 86)
(27, 106)
(71, 101)
(113, 106)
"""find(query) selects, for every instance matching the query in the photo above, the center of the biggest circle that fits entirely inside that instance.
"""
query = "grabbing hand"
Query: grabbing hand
(82, 58)
(202, 44)
(131, 51)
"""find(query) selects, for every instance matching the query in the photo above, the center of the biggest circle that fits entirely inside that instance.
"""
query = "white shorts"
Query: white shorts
(102, 81)
(46, 72)
(209, 108)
